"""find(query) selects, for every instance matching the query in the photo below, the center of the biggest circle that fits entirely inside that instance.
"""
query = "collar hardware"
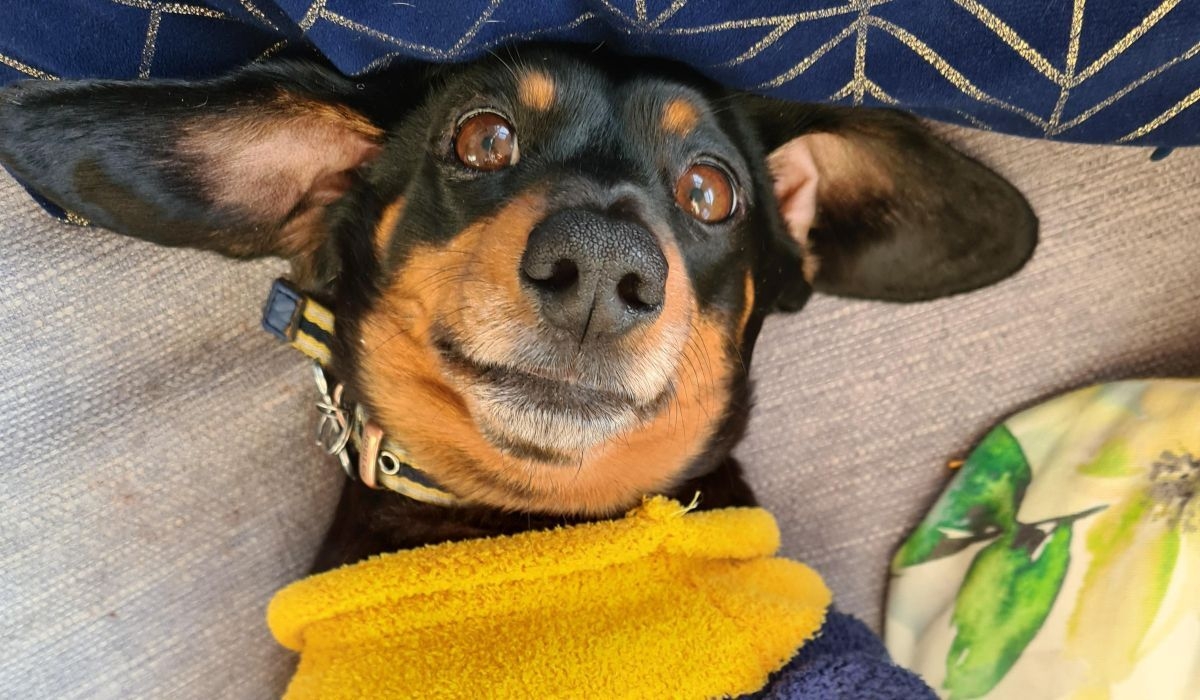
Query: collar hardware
(345, 431)
(333, 427)
(368, 453)
(299, 320)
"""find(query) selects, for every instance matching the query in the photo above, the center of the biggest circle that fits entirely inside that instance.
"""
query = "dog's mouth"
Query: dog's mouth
(510, 408)
(539, 413)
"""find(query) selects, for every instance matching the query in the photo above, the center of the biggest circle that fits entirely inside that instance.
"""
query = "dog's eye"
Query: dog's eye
(485, 140)
(706, 192)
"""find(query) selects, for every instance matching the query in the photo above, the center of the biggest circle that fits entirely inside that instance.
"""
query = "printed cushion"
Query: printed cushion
(1063, 560)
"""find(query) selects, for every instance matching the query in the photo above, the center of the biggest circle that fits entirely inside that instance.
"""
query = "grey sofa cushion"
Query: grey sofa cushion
(159, 481)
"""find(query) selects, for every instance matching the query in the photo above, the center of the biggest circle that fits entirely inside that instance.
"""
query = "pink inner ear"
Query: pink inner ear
(337, 177)
(305, 161)
(282, 158)
(794, 172)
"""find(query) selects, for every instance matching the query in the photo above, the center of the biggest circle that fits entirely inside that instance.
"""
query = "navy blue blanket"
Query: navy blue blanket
(1108, 71)
(845, 662)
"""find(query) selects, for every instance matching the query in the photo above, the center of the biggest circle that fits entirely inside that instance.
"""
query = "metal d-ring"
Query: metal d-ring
(389, 463)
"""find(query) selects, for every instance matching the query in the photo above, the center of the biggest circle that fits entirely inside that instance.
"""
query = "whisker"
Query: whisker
(707, 384)
(511, 70)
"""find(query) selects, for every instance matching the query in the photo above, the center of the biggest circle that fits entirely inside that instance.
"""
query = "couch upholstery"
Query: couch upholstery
(159, 481)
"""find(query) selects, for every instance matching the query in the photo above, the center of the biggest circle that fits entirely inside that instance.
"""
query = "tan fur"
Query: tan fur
(655, 345)
(472, 286)
(343, 117)
(537, 90)
(680, 117)
(748, 300)
(810, 262)
(848, 173)
(386, 227)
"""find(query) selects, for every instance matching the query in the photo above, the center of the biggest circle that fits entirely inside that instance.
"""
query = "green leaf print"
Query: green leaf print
(979, 504)
(1004, 599)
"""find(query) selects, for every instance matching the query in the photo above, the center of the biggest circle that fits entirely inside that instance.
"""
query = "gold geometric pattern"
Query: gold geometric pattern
(319, 12)
(156, 11)
(26, 69)
(1063, 72)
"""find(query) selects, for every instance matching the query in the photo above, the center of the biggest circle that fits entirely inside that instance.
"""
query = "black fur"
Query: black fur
(110, 152)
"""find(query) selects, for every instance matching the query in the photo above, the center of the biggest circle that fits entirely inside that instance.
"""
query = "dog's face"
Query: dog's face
(567, 281)
(549, 271)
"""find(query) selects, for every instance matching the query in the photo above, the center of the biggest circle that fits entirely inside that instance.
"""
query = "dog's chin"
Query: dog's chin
(533, 417)
(554, 432)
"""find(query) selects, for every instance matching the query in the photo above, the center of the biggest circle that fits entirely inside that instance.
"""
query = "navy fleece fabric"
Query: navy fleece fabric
(846, 662)
(1110, 71)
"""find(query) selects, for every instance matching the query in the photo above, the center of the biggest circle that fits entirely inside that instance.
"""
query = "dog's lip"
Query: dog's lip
(570, 397)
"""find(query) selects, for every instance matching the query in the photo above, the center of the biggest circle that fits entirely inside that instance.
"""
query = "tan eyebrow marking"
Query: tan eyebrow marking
(386, 227)
(680, 116)
(537, 90)
(748, 300)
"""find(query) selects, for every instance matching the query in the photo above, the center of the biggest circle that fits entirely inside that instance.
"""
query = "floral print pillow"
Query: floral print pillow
(1063, 560)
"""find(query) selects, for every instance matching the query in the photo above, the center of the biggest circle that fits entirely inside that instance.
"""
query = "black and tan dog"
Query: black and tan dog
(548, 271)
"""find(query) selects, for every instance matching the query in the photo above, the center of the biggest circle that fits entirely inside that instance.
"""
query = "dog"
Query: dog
(548, 269)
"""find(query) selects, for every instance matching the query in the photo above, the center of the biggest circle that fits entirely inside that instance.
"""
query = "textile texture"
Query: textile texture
(159, 478)
(1109, 72)
(1063, 561)
(160, 482)
(660, 603)
(846, 661)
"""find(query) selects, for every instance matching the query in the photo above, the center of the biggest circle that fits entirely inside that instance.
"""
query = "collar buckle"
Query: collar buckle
(299, 320)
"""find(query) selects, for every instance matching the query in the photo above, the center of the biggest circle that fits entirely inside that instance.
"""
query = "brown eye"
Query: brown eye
(706, 192)
(486, 141)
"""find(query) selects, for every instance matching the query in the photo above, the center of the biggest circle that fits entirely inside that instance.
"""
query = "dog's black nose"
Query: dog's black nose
(594, 275)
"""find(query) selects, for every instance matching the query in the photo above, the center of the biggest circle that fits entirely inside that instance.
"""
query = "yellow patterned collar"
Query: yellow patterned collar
(345, 431)
(661, 603)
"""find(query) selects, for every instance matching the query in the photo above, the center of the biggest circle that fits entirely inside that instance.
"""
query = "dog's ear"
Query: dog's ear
(244, 165)
(882, 209)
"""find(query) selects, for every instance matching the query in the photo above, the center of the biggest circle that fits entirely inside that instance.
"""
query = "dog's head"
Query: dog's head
(549, 269)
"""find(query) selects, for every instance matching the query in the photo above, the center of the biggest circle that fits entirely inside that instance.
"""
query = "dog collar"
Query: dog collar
(345, 431)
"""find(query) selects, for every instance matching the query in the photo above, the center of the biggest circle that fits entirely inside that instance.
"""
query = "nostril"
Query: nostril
(564, 274)
(635, 294)
(556, 277)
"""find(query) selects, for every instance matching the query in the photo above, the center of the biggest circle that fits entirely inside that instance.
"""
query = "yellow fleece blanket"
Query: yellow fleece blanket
(664, 603)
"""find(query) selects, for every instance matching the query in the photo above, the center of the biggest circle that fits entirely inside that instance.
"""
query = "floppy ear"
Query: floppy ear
(885, 210)
(244, 165)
